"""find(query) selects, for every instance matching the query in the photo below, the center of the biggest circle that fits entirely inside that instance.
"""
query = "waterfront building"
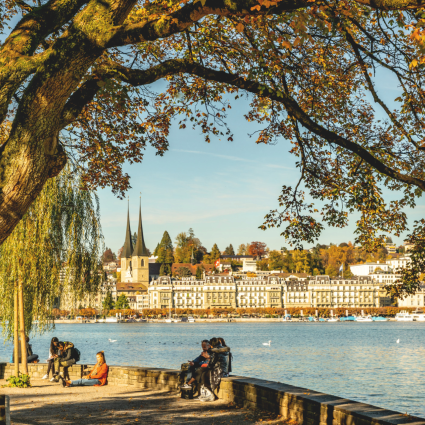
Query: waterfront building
(416, 300)
(259, 292)
(266, 291)
(368, 268)
(219, 291)
(361, 291)
(297, 293)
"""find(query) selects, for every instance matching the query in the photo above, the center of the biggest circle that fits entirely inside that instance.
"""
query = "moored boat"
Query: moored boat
(418, 316)
(364, 319)
(379, 319)
(404, 316)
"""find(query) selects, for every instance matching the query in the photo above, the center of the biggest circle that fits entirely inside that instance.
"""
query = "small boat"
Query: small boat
(111, 319)
(321, 319)
(404, 316)
(348, 319)
(168, 320)
(418, 316)
(190, 319)
(379, 319)
(364, 319)
(333, 319)
(287, 318)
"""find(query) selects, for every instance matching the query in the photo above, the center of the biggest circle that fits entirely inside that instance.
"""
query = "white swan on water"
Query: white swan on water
(267, 343)
(112, 340)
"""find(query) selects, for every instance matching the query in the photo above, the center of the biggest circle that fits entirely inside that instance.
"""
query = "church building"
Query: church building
(136, 271)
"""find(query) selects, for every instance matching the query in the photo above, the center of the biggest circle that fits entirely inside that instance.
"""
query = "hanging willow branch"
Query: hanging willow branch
(55, 249)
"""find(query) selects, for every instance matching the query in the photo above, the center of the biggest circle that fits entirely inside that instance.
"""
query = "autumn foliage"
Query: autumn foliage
(273, 312)
(77, 86)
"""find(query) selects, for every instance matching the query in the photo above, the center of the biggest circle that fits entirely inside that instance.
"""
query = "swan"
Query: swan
(112, 340)
(267, 343)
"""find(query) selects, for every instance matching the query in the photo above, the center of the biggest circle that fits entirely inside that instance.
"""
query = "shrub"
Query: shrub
(20, 381)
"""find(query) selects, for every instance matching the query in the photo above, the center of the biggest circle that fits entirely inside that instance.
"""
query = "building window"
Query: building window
(142, 263)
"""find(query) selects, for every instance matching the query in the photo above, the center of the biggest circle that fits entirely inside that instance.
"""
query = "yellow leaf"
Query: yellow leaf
(413, 64)
(239, 27)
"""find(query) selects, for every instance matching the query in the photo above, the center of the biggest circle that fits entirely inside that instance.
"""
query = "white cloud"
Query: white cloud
(232, 158)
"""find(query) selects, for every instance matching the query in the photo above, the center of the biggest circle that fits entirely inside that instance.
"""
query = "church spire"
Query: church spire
(128, 245)
(140, 247)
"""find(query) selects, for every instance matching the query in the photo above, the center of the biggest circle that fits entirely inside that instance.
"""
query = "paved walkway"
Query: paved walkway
(49, 403)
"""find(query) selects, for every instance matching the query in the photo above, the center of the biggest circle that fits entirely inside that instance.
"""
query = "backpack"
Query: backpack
(76, 354)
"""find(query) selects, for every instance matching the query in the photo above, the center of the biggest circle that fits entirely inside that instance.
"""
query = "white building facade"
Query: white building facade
(368, 268)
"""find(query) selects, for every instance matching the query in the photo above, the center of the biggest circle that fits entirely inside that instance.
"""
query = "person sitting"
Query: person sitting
(31, 357)
(67, 357)
(198, 366)
(225, 359)
(53, 353)
(97, 377)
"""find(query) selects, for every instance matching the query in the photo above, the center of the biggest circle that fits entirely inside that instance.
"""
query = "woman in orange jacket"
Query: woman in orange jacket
(97, 377)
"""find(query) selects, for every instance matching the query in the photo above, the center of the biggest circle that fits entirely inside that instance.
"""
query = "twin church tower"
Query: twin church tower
(135, 259)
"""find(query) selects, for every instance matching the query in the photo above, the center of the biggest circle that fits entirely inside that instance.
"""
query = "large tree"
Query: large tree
(74, 77)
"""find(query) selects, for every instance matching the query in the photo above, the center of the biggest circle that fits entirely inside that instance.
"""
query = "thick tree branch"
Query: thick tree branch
(182, 19)
(38, 24)
(139, 77)
(392, 4)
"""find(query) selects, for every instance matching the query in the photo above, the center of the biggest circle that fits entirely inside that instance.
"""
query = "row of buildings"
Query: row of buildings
(145, 289)
(254, 292)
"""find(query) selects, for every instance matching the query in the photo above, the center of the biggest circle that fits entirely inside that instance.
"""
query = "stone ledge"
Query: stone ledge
(305, 406)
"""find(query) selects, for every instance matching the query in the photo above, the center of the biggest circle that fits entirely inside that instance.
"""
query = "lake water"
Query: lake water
(360, 361)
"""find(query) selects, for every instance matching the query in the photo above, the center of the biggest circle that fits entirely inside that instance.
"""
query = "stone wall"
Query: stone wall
(304, 406)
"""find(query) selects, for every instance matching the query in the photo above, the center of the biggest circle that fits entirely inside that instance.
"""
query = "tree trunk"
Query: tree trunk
(15, 331)
(23, 336)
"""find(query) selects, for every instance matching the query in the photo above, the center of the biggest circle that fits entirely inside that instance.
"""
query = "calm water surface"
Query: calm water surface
(360, 361)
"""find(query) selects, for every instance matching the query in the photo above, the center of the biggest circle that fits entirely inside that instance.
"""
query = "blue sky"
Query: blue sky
(221, 189)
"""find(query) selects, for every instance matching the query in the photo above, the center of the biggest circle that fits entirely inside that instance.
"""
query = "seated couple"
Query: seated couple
(66, 355)
(97, 377)
(206, 370)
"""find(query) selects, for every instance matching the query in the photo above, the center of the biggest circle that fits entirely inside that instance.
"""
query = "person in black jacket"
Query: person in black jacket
(66, 357)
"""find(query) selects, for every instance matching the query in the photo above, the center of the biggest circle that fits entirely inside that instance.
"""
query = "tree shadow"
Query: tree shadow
(50, 405)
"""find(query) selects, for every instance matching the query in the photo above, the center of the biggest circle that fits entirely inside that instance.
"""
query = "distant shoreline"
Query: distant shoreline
(265, 320)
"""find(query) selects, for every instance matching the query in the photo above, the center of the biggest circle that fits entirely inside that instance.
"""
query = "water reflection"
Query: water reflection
(360, 361)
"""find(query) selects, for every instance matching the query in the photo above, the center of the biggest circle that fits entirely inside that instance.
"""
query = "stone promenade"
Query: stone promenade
(49, 403)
